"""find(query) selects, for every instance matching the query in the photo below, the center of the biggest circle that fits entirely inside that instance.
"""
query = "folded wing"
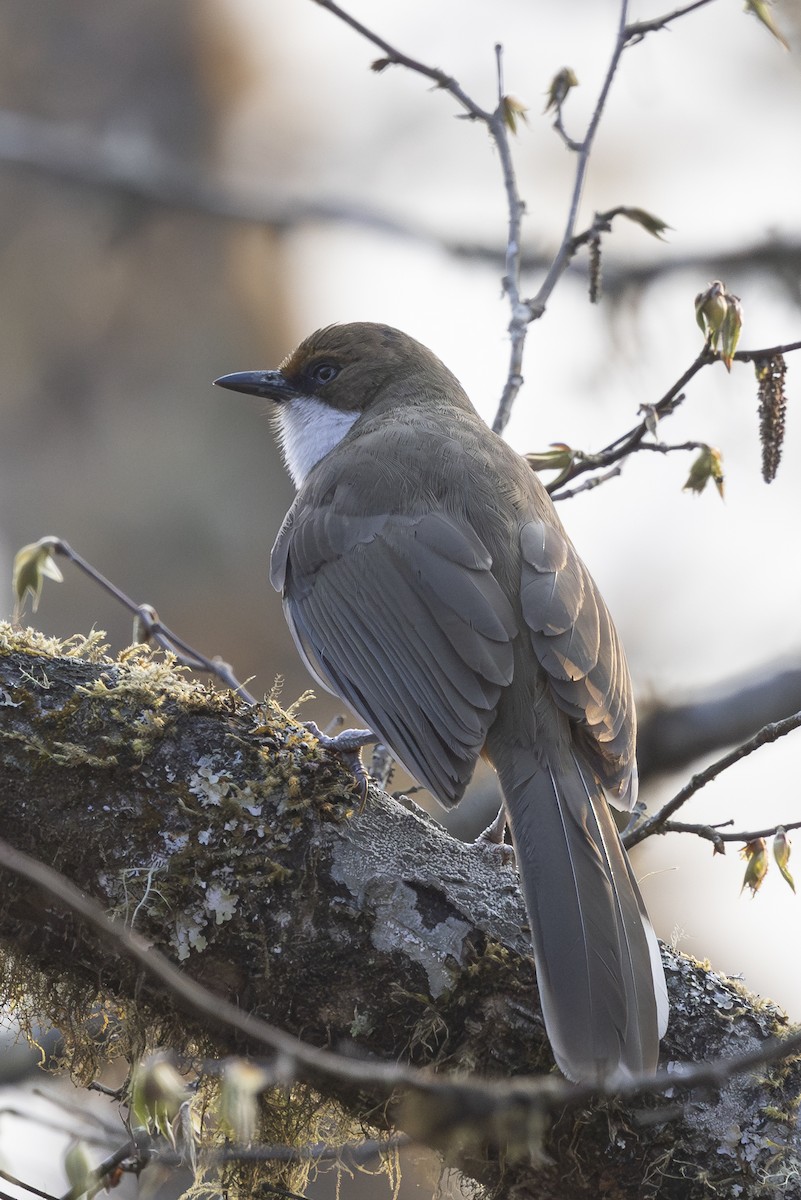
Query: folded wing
(574, 639)
(401, 617)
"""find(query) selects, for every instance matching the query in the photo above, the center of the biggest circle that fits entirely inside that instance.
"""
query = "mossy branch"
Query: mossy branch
(227, 839)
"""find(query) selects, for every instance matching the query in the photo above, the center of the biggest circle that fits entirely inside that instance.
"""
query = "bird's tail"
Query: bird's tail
(599, 970)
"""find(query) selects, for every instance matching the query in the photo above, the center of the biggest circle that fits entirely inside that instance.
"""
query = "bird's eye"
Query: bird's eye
(324, 372)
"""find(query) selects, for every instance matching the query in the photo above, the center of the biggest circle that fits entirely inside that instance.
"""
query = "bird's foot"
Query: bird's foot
(492, 839)
(348, 745)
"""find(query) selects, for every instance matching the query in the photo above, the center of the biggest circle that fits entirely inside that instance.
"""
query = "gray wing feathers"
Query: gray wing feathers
(360, 595)
(575, 641)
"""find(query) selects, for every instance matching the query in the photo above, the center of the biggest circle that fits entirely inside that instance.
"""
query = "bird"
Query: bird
(429, 583)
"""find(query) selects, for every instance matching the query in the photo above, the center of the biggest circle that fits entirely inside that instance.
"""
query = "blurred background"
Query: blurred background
(188, 189)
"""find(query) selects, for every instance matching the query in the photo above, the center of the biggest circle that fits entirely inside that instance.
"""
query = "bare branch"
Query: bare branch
(638, 29)
(583, 149)
(27, 1187)
(768, 352)
(496, 124)
(148, 627)
(634, 439)
(138, 167)
(588, 484)
(712, 833)
(623, 445)
(671, 736)
(523, 312)
(395, 57)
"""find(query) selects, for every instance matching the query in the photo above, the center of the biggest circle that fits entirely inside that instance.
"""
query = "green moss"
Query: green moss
(244, 821)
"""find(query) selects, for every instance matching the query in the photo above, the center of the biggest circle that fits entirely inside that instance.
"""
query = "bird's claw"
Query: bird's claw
(492, 840)
(348, 745)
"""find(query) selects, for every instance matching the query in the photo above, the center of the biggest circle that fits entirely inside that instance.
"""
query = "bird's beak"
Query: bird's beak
(271, 384)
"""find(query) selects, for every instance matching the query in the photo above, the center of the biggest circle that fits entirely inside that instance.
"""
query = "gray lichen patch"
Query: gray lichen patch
(399, 924)
(424, 913)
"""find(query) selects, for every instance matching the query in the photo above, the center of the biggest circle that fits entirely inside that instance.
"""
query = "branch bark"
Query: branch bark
(672, 736)
(228, 840)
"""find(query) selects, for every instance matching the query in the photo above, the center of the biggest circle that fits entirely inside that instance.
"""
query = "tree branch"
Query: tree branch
(395, 57)
(765, 736)
(497, 125)
(147, 625)
(638, 29)
(373, 933)
(633, 440)
(583, 149)
(714, 834)
(671, 736)
(137, 167)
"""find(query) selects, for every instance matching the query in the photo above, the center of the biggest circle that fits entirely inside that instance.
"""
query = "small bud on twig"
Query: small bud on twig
(761, 10)
(720, 316)
(560, 85)
(651, 224)
(781, 852)
(708, 465)
(78, 1168)
(559, 458)
(512, 111)
(32, 565)
(757, 854)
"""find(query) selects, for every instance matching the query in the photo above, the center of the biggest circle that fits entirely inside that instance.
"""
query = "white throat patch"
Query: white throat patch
(307, 430)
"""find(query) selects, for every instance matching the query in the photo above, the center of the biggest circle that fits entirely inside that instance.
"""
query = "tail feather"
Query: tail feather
(657, 967)
(599, 970)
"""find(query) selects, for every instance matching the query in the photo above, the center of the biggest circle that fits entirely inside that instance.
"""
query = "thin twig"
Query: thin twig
(152, 626)
(395, 57)
(112, 1093)
(638, 29)
(28, 1187)
(627, 442)
(669, 447)
(712, 833)
(495, 122)
(521, 313)
(766, 735)
(589, 462)
(583, 149)
(626, 35)
(587, 485)
(41, 1122)
(768, 352)
(634, 439)
(109, 1129)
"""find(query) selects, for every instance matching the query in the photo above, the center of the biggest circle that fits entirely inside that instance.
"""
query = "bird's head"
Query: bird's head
(349, 368)
(335, 375)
